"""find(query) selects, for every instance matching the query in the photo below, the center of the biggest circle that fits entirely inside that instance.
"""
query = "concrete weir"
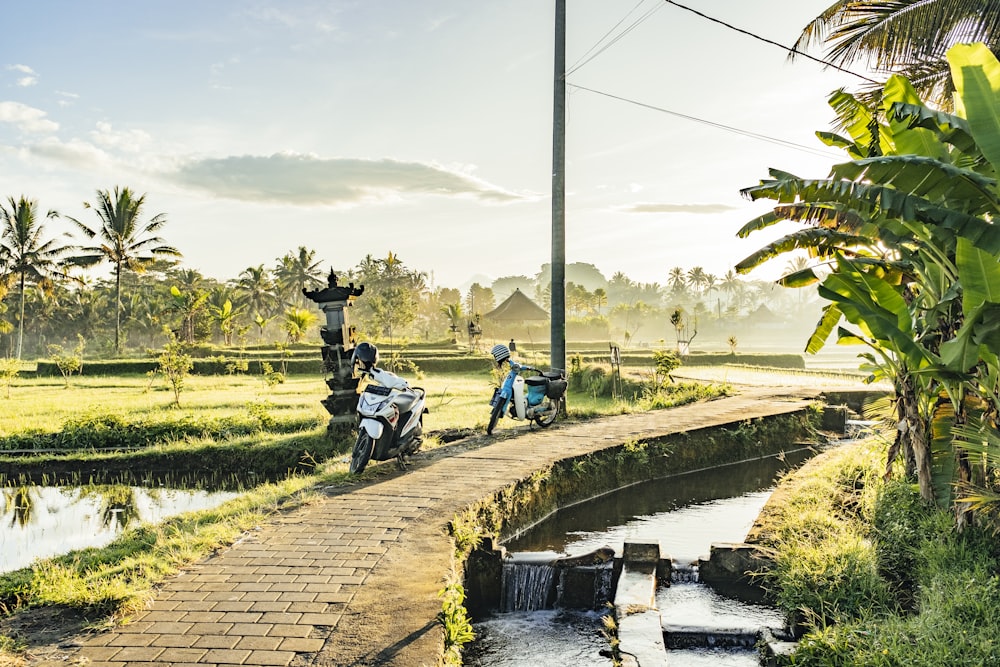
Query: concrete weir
(640, 632)
(644, 639)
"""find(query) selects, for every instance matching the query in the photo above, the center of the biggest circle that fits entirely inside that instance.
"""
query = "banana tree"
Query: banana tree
(896, 233)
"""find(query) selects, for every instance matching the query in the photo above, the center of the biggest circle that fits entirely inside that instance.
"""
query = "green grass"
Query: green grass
(874, 575)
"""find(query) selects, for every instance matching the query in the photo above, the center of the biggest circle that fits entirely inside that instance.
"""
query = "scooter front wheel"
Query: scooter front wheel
(549, 416)
(495, 415)
(362, 452)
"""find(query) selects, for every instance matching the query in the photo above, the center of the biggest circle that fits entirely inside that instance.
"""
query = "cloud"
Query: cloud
(294, 178)
(77, 154)
(699, 209)
(30, 78)
(67, 98)
(129, 141)
(25, 118)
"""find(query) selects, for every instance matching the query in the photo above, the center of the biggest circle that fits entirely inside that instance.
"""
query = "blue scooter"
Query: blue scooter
(537, 398)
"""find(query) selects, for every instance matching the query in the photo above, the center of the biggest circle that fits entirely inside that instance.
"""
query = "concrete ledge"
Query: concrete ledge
(640, 633)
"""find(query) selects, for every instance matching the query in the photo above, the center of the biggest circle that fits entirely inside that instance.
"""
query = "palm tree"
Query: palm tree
(907, 37)
(23, 252)
(676, 279)
(696, 278)
(126, 243)
(296, 272)
(257, 290)
(296, 322)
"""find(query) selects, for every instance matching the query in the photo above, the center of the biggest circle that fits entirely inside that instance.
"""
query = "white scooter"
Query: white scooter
(390, 413)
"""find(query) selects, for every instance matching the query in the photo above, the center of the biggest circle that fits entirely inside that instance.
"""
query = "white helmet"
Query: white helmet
(501, 353)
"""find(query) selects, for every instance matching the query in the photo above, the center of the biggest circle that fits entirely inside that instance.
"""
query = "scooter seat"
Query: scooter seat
(404, 400)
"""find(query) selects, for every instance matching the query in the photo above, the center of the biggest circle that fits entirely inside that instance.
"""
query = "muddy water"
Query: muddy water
(685, 514)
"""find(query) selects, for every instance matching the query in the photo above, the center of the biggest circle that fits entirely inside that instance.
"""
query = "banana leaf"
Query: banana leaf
(928, 178)
(943, 462)
(825, 242)
(979, 273)
(976, 75)
(951, 129)
(827, 321)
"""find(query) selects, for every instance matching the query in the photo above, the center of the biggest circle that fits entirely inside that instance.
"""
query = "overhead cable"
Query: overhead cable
(584, 59)
(772, 42)
(728, 128)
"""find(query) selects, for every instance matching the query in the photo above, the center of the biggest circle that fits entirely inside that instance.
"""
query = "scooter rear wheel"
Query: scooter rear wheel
(495, 415)
(362, 452)
(550, 415)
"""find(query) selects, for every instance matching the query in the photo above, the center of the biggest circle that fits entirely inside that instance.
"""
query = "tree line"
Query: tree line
(47, 296)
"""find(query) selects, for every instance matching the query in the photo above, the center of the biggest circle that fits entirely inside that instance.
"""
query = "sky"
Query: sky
(364, 127)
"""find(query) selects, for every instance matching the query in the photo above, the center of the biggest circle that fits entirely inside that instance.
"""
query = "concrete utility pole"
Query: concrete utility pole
(557, 287)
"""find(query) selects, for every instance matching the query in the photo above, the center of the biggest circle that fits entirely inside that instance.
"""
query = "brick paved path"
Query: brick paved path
(335, 582)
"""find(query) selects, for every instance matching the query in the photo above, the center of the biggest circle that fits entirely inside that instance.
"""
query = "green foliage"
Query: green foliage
(296, 322)
(175, 365)
(270, 376)
(9, 369)
(665, 362)
(104, 430)
(457, 626)
(877, 576)
(68, 362)
(907, 230)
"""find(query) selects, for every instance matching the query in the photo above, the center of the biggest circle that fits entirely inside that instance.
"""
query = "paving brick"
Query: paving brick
(328, 619)
(301, 645)
(251, 629)
(259, 643)
(211, 628)
(240, 617)
(215, 641)
(175, 641)
(101, 653)
(139, 653)
(270, 658)
(131, 639)
(299, 630)
(175, 655)
(170, 628)
(280, 617)
(220, 655)
(202, 617)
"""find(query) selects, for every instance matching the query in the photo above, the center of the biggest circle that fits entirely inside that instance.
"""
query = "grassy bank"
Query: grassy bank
(872, 575)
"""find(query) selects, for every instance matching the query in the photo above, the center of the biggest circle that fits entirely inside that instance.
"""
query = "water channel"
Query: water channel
(685, 514)
(46, 521)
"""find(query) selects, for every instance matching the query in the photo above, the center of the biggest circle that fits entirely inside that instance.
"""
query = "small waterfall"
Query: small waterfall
(604, 585)
(683, 573)
(526, 585)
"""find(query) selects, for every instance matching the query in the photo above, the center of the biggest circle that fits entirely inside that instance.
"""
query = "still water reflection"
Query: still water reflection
(46, 521)
(647, 512)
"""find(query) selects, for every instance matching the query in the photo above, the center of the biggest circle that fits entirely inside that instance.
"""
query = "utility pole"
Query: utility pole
(558, 274)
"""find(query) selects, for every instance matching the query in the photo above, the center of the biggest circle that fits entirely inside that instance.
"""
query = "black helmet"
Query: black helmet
(501, 353)
(366, 356)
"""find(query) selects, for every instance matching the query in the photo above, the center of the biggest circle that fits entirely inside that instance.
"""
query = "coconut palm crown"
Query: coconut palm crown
(125, 241)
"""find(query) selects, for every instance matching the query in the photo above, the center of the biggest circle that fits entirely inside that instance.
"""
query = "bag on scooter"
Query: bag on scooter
(537, 386)
(555, 384)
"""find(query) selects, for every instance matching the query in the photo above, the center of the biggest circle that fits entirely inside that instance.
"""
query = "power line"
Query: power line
(728, 128)
(583, 60)
(772, 42)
